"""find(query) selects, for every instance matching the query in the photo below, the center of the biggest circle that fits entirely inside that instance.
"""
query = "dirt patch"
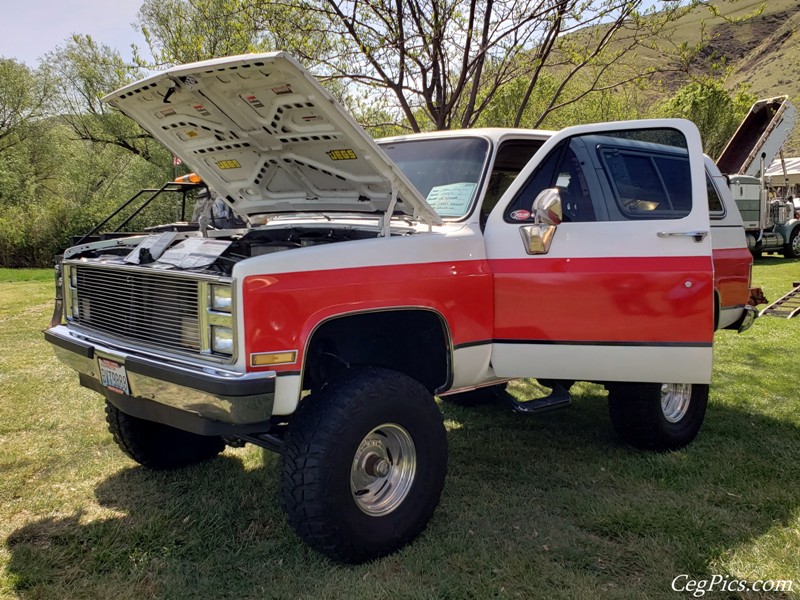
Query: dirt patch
(745, 47)
(735, 41)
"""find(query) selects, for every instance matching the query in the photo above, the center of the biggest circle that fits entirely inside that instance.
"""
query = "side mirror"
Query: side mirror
(547, 207)
(548, 214)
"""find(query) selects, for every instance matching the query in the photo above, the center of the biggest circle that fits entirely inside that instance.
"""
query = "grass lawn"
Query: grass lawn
(551, 506)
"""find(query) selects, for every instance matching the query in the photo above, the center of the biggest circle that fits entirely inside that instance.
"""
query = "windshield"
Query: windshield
(446, 171)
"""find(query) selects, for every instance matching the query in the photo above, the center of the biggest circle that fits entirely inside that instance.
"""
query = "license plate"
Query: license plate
(113, 376)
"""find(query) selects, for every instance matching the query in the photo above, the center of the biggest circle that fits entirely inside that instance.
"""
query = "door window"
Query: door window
(618, 176)
(648, 184)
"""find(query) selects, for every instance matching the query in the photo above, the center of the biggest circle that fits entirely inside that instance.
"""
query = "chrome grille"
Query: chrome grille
(150, 308)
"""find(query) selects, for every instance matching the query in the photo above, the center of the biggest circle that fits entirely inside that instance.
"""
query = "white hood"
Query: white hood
(264, 135)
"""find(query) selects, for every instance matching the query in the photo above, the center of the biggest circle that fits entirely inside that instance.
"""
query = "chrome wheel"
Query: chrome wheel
(795, 243)
(363, 464)
(657, 416)
(675, 400)
(383, 469)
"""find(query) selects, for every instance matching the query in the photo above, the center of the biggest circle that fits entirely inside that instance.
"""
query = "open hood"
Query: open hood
(264, 135)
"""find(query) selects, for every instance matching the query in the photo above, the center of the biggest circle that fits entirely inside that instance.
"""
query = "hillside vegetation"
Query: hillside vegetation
(66, 160)
(762, 52)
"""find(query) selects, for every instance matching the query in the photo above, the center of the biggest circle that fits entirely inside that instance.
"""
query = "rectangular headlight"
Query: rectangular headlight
(221, 298)
(221, 339)
(69, 277)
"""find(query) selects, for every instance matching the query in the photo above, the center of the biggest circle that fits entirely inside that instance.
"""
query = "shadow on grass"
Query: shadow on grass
(773, 260)
(550, 506)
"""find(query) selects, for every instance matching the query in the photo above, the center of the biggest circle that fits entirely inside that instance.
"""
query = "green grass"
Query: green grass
(534, 507)
(16, 275)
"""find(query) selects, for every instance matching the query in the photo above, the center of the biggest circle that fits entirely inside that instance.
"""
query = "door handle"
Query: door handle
(697, 236)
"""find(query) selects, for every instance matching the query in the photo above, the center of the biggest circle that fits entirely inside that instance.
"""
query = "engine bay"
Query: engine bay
(229, 247)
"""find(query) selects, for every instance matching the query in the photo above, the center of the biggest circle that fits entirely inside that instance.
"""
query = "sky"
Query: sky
(30, 28)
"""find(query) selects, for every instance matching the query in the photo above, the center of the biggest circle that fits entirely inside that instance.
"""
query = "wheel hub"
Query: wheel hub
(383, 469)
(675, 400)
(375, 466)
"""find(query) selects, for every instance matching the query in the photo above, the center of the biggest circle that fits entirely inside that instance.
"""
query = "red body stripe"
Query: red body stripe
(732, 275)
(281, 310)
(537, 298)
(604, 300)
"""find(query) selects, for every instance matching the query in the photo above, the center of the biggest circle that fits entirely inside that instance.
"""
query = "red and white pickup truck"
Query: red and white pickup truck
(372, 276)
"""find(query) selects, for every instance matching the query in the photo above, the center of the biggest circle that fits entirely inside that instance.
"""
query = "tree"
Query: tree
(85, 71)
(73, 159)
(184, 31)
(716, 111)
(615, 104)
(54, 186)
(423, 64)
(23, 95)
(445, 61)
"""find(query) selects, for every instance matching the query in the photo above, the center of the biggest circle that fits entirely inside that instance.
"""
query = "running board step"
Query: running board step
(785, 307)
(558, 398)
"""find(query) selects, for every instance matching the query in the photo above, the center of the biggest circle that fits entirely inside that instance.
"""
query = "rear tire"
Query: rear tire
(363, 465)
(654, 416)
(158, 446)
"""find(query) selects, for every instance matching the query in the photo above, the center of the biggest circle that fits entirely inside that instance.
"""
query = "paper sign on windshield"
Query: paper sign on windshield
(451, 200)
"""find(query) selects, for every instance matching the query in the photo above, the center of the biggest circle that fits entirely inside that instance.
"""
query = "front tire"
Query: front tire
(158, 446)
(655, 416)
(792, 248)
(363, 465)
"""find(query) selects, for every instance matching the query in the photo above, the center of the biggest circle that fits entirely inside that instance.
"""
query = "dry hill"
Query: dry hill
(763, 51)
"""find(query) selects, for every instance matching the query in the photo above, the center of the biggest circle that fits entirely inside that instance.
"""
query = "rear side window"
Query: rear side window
(715, 207)
(648, 185)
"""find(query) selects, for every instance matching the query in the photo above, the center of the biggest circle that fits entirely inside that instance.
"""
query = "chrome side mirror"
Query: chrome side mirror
(548, 213)
(547, 207)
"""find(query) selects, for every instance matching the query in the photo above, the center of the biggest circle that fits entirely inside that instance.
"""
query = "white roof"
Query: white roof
(776, 170)
(495, 134)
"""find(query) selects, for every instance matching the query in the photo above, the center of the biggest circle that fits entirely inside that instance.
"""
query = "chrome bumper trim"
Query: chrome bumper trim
(207, 392)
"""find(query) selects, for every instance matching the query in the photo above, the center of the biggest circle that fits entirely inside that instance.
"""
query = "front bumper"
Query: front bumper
(202, 399)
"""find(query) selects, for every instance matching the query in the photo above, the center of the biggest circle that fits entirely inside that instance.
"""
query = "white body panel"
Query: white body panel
(455, 242)
(604, 363)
